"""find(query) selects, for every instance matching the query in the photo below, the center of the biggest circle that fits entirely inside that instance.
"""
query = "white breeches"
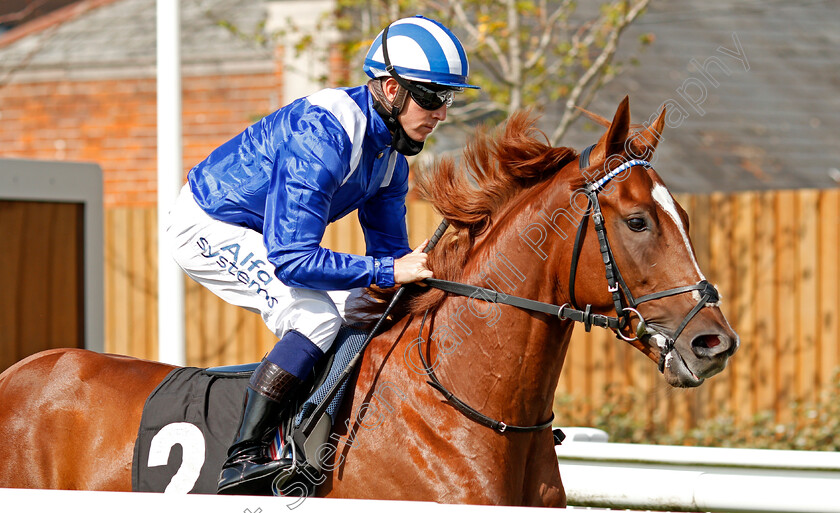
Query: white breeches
(232, 262)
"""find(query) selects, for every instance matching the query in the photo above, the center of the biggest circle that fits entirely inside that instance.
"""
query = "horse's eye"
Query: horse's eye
(637, 224)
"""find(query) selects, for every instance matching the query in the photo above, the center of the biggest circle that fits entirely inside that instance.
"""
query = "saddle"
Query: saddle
(307, 424)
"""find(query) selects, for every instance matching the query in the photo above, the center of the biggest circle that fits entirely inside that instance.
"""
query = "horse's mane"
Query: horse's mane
(497, 165)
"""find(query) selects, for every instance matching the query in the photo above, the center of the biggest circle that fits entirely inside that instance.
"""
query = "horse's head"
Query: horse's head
(518, 208)
(671, 312)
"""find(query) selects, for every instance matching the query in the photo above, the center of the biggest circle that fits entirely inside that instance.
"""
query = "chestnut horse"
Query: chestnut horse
(69, 418)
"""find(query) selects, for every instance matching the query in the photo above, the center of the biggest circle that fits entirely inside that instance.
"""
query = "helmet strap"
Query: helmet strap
(401, 141)
(405, 85)
(399, 101)
(390, 111)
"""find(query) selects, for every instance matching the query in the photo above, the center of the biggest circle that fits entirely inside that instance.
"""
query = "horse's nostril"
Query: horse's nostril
(706, 341)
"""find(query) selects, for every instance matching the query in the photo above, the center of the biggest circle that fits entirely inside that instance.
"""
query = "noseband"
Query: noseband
(615, 282)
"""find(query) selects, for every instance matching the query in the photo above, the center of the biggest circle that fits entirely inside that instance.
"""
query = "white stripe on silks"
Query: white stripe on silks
(389, 173)
(663, 197)
(350, 116)
(456, 67)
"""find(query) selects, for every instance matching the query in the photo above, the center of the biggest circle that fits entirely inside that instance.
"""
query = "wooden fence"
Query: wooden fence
(41, 281)
(773, 256)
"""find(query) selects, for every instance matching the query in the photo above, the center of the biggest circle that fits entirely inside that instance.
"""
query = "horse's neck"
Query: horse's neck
(508, 370)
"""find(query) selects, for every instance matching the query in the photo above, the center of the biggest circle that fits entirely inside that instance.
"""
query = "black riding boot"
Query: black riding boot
(249, 468)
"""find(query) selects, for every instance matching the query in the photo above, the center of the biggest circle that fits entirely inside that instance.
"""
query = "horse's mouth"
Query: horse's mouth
(676, 370)
(677, 373)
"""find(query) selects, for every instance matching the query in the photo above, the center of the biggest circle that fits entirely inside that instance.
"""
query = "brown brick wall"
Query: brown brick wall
(112, 123)
(339, 69)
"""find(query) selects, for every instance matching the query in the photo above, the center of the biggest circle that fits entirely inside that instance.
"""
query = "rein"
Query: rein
(564, 312)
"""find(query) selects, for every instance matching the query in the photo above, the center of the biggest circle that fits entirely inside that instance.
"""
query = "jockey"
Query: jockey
(249, 222)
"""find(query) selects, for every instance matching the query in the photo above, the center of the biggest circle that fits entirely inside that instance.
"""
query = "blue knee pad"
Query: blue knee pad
(295, 354)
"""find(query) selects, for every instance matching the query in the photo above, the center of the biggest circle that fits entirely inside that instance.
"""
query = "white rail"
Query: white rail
(699, 478)
(128, 502)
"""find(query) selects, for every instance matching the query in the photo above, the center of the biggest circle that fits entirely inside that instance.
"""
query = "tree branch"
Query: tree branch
(490, 66)
(474, 110)
(514, 56)
(45, 37)
(473, 31)
(545, 37)
(605, 57)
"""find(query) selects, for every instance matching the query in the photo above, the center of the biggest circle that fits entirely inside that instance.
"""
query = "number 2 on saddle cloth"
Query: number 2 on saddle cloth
(196, 412)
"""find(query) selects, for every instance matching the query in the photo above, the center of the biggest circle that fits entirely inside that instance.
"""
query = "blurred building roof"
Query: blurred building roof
(17, 12)
(753, 87)
(768, 118)
(107, 38)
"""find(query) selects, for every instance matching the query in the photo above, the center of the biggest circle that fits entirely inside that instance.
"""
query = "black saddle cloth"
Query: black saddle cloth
(190, 419)
(189, 422)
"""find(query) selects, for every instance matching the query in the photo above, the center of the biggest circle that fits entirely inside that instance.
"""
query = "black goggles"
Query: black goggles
(430, 99)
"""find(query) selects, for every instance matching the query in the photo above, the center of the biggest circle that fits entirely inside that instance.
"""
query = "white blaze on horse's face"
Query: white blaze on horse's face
(663, 197)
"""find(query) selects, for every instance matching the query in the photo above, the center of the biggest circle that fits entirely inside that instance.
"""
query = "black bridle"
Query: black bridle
(624, 301)
(615, 282)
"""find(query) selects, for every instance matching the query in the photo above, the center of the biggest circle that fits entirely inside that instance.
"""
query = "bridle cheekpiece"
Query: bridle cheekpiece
(616, 285)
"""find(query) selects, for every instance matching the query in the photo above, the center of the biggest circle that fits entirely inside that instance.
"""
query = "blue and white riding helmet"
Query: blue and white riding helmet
(421, 50)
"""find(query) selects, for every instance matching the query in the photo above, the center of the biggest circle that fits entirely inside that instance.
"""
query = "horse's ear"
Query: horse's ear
(619, 129)
(643, 143)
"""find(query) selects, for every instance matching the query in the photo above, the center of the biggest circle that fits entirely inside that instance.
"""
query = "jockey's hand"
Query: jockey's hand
(412, 267)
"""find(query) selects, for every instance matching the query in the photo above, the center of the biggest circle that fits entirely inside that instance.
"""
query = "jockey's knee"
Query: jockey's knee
(301, 348)
(296, 354)
(325, 332)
